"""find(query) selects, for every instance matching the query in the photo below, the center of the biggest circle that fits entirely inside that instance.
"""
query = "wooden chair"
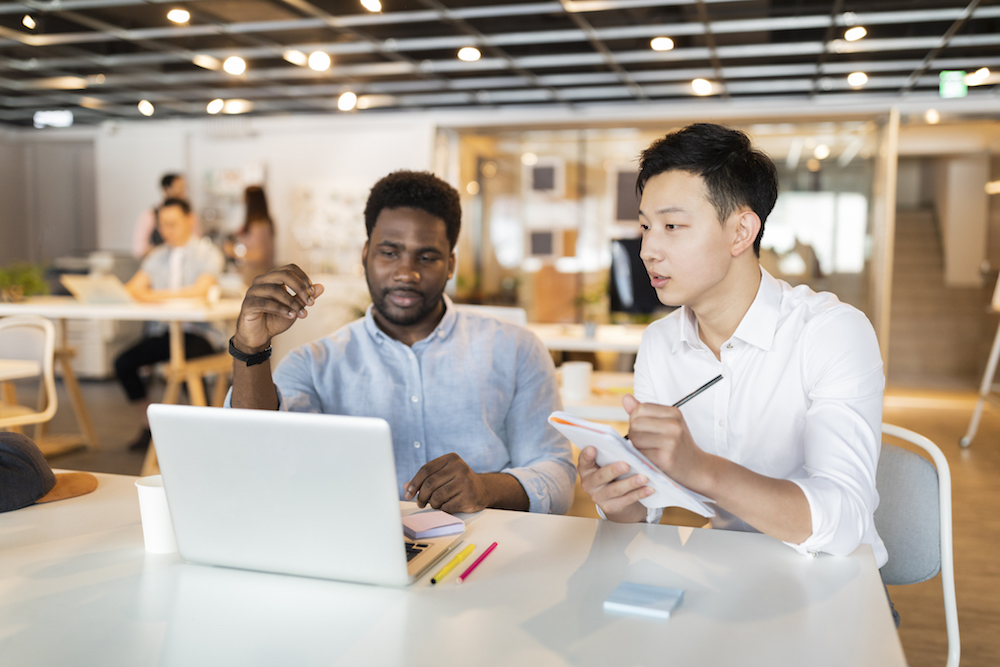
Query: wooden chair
(27, 349)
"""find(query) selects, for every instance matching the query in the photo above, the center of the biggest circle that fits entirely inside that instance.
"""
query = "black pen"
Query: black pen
(697, 391)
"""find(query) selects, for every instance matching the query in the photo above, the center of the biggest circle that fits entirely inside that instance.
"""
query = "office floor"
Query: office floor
(941, 415)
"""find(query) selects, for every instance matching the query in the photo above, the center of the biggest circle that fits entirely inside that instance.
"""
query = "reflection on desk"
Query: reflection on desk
(78, 588)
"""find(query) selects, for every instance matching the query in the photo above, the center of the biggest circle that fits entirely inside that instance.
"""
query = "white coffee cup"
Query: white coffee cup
(576, 380)
(157, 529)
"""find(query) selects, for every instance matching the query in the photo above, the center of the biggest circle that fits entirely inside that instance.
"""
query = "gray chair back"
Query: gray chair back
(908, 516)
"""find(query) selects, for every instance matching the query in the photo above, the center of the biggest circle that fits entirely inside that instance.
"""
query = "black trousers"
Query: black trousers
(151, 351)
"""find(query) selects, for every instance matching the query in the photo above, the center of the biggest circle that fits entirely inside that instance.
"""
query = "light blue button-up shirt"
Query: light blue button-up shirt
(475, 386)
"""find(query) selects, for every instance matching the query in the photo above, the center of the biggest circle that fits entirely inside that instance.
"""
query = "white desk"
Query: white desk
(76, 588)
(175, 313)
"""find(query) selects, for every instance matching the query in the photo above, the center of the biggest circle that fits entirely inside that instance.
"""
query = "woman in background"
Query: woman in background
(253, 249)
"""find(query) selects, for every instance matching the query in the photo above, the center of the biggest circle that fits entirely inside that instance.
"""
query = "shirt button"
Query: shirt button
(414, 399)
(729, 346)
(416, 445)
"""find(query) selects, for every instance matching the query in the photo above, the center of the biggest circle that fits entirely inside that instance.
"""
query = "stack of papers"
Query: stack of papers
(643, 600)
(612, 448)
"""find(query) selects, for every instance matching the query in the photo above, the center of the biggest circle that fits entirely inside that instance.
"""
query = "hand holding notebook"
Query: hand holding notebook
(612, 448)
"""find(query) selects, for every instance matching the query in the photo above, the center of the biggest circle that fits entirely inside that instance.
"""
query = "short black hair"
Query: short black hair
(420, 190)
(168, 180)
(735, 173)
(176, 201)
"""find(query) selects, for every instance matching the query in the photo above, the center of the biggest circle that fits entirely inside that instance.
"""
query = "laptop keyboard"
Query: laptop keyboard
(414, 548)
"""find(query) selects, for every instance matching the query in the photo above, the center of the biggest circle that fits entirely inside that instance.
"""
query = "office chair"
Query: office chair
(914, 520)
(27, 341)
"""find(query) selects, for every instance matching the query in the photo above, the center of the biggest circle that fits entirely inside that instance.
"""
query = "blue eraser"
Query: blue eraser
(643, 600)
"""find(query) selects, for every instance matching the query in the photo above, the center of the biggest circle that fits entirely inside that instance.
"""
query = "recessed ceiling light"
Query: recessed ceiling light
(472, 187)
(179, 15)
(296, 57)
(235, 65)
(661, 44)
(372, 5)
(319, 61)
(702, 87)
(978, 77)
(347, 101)
(857, 79)
(529, 159)
(813, 165)
(469, 54)
(28, 22)
(215, 106)
(932, 116)
(54, 118)
(993, 188)
(99, 79)
(855, 33)
(146, 108)
(237, 106)
(207, 62)
(821, 152)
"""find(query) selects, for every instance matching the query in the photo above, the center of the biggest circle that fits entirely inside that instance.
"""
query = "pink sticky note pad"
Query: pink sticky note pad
(432, 523)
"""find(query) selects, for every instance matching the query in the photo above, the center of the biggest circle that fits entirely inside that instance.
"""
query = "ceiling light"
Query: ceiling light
(206, 62)
(702, 87)
(993, 188)
(54, 118)
(146, 108)
(661, 44)
(372, 5)
(932, 116)
(296, 57)
(236, 106)
(215, 106)
(319, 61)
(857, 79)
(813, 165)
(469, 54)
(347, 101)
(529, 159)
(977, 77)
(472, 187)
(91, 102)
(28, 22)
(373, 101)
(179, 15)
(855, 33)
(821, 152)
(235, 65)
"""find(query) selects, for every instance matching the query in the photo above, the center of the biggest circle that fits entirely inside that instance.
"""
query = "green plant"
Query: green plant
(18, 280)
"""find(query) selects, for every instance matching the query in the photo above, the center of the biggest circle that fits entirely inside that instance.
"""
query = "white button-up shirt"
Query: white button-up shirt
(800, 399)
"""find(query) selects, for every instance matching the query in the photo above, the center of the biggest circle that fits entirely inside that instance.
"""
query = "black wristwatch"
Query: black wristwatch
(249, 359)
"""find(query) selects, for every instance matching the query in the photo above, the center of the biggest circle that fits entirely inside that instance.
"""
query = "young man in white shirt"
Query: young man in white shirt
(788, 442)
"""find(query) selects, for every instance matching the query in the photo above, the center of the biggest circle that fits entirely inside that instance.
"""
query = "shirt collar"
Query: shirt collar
(442, 330)
(757, 326)
(761, 321)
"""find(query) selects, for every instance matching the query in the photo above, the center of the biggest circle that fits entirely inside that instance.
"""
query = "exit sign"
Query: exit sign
(953, 84)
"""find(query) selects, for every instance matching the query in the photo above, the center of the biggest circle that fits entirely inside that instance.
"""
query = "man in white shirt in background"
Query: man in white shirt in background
(788, 442)
(146, 234)
(183, 267)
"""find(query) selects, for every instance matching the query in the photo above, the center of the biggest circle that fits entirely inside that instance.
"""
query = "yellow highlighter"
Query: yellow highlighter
(443, 572)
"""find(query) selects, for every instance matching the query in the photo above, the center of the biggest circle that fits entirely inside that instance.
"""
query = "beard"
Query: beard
(401, 317)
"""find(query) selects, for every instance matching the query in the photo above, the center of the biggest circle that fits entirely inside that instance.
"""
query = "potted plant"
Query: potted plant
(593, 303)
(21, 280)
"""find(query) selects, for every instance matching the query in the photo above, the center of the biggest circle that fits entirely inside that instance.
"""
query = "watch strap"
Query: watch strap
(249, 359)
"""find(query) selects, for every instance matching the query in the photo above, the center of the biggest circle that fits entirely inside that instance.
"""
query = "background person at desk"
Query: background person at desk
(146, 234)
(466, 396)
(788, 442)
(184, 267)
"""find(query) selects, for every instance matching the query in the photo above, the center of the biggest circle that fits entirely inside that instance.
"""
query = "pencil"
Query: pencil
(697, 391)
(443, 572)
(476, 564)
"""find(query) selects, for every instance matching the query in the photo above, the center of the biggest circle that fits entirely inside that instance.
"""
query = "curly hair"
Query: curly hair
(420, 190)
(735, 173)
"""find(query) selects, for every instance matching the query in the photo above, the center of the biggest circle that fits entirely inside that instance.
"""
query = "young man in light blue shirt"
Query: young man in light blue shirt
(466, 396)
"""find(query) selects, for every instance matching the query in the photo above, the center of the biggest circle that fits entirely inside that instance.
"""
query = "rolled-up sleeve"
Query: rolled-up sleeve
(842, 435)
(541, 458)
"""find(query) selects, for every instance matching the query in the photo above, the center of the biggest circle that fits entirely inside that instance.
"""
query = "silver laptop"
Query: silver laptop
(293, 493)
(97, 288)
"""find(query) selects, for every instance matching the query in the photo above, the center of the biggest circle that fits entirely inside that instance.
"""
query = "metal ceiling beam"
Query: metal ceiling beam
(947, 37)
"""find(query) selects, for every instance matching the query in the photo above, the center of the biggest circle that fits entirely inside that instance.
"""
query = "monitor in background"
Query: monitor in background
(629, 285)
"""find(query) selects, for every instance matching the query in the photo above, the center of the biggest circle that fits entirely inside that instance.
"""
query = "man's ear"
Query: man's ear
(746, 228)
(451, 265)
(364, 256)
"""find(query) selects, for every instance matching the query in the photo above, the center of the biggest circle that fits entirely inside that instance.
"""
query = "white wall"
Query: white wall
(13, 213)
(296, 151)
